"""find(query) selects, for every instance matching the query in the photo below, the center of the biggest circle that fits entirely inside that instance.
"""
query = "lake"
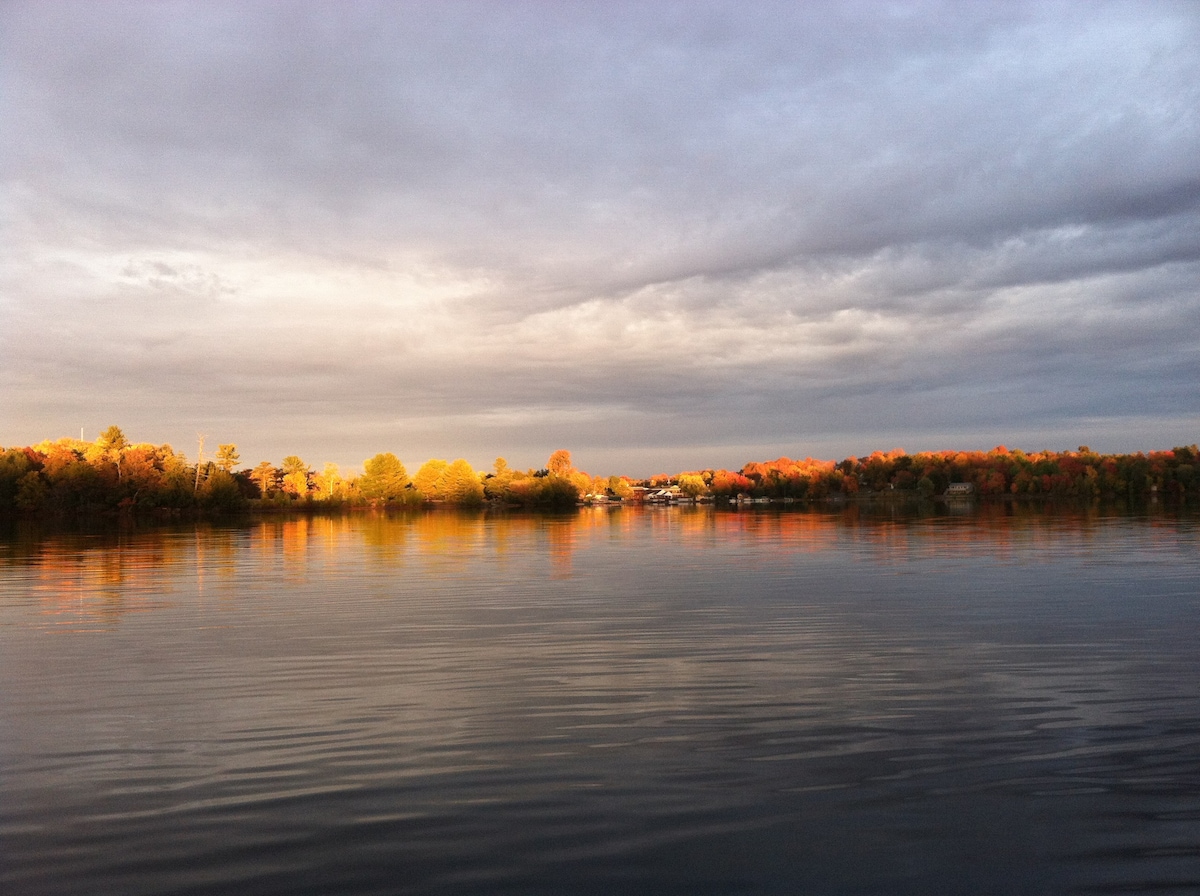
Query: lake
(968, 700)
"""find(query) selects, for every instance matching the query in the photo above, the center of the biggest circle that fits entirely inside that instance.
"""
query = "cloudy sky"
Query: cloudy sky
(664, 236)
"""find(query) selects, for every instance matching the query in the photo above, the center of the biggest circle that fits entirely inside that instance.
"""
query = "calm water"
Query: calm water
(993, 700)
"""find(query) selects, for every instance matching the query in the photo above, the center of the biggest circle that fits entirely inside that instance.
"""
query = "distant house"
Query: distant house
(960, 489)
(663, 495)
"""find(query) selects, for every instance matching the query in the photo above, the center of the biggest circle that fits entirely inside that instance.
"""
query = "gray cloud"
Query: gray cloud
(674, 229)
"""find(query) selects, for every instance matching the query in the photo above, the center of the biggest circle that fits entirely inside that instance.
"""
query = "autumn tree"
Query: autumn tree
(295, 476)
(502, 474)
(498, 485)
(728, 484)
(559, 485)
(620, 487)
(428, 480)
(110, 446)
(264, 474)
(384, 478)
(327, 481)
(143, 479)
(560, 463)
(692, 485)
(460, 484)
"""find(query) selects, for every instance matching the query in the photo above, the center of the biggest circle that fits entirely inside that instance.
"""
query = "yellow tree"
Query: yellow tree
(264, 474)
(560, 463)
(109, 447)
(692, 484)
(581, 480)
(498, 486)
(461, 485)
(428, 480)
(329, 479)
(619, 487)
(384, 478)
(143, 473)
(295, 476)
(227, 457)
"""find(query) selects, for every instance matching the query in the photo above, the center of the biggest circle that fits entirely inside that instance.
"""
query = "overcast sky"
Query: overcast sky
(663, 236)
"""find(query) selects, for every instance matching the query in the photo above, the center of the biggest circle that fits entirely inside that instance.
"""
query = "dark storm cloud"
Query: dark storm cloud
(645, 225)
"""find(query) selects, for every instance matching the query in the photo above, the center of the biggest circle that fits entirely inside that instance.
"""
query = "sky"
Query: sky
(664, 236)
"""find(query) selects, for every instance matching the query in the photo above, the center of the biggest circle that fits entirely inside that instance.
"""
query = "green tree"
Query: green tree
(32, 492)
(14, 464)
(177, 477)
(554, 491)
(384, 478)
(220, 491)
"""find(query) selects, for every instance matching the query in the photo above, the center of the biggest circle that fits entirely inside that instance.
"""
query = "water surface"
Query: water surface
(671, 700)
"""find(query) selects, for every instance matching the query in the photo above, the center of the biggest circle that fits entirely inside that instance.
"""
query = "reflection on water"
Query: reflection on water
(662, 700)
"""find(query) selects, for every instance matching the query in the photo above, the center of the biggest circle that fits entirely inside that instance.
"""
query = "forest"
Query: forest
(71, 476)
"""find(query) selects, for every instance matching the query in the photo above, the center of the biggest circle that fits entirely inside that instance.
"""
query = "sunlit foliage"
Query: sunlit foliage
(692, 485)
(113, 474)
(384, 479)
(266, 477)
(559, 463)
(428, 481)
(460, 484)
(1068, 474)
(295, 476)
(227, 457)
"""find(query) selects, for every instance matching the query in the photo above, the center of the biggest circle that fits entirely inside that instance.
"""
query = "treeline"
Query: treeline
(1068, 474)
(111, 473)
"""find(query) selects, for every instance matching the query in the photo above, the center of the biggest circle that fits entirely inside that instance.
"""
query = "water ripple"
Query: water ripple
(638, 703)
